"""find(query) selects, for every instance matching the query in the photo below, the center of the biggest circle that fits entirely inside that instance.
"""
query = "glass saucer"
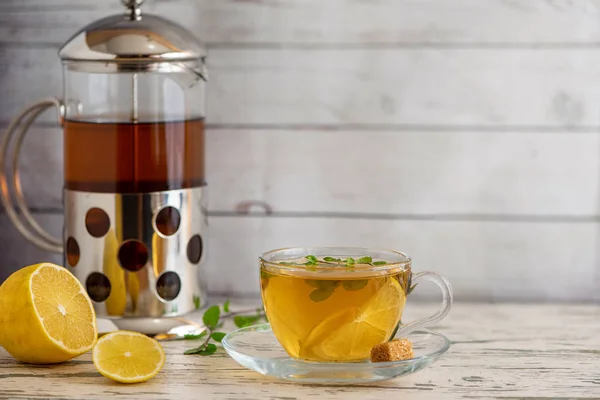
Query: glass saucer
(255, 347)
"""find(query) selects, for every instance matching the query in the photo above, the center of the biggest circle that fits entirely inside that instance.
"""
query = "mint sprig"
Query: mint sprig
(212, 319)
(349, 262)
(325, 288)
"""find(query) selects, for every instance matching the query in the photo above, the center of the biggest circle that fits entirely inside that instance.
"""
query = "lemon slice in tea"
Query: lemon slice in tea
(128, 357)
(45, 315)
(350, 334)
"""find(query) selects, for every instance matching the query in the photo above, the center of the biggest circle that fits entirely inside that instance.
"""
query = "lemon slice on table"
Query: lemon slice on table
(350, 334)
(45, 315)
(128, 357)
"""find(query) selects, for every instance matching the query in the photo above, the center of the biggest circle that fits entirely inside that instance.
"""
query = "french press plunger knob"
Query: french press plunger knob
(134, 8)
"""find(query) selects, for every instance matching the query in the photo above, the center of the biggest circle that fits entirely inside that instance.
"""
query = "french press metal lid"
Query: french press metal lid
(135, 42)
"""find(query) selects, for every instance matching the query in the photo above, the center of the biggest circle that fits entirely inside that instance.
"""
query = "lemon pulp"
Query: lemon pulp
(350, 334)
(47, 317)
(128, 357)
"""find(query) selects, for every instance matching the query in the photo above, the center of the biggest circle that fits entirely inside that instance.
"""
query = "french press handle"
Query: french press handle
(17, 210)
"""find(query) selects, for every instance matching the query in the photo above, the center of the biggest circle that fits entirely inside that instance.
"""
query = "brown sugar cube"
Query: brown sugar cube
(395, 350)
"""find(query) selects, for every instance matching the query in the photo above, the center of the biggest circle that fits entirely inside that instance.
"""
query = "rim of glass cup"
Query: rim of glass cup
(330, 251)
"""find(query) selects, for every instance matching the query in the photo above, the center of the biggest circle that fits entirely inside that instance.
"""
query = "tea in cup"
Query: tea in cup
(334, 304)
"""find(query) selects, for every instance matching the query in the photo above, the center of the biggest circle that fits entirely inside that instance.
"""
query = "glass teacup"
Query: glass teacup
(334, 304)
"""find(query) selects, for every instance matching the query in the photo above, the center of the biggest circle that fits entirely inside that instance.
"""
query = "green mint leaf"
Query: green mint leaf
(329, 259)
(195, 337)
(195, 350)
(251, 320)
(329, 285)
(394, 333)
(211, 317)
(226, 306)
(364, 260)
(379, 263)
(350, 262)
(411, 289)
(239, 321)
(242, 321)
(322, 284)
(217, 336)
(312, 260)
(196, 302)
(208, 350)
(409, 286)
(353, 285)
(319, 295)
(313, 283)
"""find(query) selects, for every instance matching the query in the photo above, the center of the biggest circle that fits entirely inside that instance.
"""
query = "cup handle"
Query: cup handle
(447, 298)
(17, 211)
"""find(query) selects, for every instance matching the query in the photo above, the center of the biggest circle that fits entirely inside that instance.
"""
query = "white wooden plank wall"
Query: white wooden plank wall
(465, 133)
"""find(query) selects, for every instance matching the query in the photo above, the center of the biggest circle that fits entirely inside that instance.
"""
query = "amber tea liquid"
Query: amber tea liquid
(138, 157)
(333, 315)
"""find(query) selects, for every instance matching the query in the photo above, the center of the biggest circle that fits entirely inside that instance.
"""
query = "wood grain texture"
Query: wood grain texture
(484, 260)
(373, 89)
(421, 174)
(263, 23)
(529, 355)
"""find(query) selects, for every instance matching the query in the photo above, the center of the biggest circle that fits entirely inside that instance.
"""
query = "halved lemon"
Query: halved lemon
(45, 315)
(128, 357)
(350, 334)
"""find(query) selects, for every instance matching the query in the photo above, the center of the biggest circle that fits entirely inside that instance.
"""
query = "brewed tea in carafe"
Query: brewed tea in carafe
(134, 190)
(136, 157)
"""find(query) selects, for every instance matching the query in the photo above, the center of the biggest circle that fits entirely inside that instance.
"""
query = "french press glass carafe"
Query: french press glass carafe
(134, 186)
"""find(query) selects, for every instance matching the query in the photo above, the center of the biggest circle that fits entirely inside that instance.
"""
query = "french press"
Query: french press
(134, 183)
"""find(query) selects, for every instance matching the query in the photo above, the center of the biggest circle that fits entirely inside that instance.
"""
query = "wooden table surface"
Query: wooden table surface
(498, 352)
